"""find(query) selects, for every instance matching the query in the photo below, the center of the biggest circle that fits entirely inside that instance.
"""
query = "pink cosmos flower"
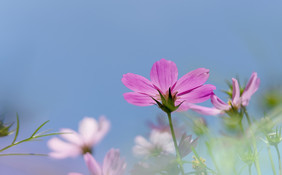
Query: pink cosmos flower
(238, 100)
(112, 165)
(90, 133)
(165, 86)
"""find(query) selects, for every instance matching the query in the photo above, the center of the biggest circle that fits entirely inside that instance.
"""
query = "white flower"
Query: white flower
(90, 133)
(159, 143)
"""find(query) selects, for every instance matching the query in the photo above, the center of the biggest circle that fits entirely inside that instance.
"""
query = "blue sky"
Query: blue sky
(63, 60)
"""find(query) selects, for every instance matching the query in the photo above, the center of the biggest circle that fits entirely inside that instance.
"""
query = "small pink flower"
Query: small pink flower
(112, 165)
(90, 133)
(238, 100)
(164, 74)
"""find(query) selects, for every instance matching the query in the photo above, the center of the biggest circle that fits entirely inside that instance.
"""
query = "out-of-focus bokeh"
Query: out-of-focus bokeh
(63, 60)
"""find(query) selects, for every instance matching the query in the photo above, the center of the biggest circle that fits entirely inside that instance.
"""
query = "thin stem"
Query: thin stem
(247, 116)
(271, 160)
(23, 154)
(256, 154)
(179, 160)
(250, 169)
(279, 159)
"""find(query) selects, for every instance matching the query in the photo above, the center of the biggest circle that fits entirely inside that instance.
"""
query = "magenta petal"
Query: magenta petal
(235, 93)
(92, 165)
(199, 94)
(191, 80)
(113, 164)
(250, 89)
(75, 174)
(219, 104)
(164, 74)
(138, 83)
(138, 99)
(205, 110)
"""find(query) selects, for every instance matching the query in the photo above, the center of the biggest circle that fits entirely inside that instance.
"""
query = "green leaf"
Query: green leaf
(39, 128)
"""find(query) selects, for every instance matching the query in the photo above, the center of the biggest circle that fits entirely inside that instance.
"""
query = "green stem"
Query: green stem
(23, 154)
(271, 160)
(256, 156)
(247, 116)
(279, 159)
(250, 169)
(179, 160)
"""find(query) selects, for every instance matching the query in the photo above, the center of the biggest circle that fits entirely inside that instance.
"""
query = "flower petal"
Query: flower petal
(250, 89)
(88, 128)
(198, 95)
(205, 110)
(138, 83)
(62, 149)
(235, 93)
(113, 164)
(92, 165)
(219, 104)
(138, 99)
(104, 127)
(71, 136)
(142, 146)
(164, 74)
(191, 80)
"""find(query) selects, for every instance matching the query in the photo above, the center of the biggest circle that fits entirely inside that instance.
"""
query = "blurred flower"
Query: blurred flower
(112, 165)
(164, 88)
(185, 144)
(5, 129)
(162, 125)
(159, 143)
(237, 100)
(274, 138)
(248, 157)
(90, 133)
(199, 165)
(199, 126)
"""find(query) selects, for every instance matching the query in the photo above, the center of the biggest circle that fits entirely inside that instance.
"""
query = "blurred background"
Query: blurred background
(63, 60)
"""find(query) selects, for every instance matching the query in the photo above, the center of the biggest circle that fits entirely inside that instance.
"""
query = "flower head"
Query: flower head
(159, 143)
(165, 89)
(238, 99)
(90, 133)
(112, 165)
(185, 144)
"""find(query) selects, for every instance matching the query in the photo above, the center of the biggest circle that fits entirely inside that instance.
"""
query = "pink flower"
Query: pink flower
(112, 165)
(90, 133)
(238, 100)
(164, 87)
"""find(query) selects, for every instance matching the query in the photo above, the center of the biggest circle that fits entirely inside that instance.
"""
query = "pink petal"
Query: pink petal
(235, 93)
(219, 104)
(92, 165)
(138, 83)
(205, 110)
(104, 127)
(88, 128)
(71, 136)
(164, 74)
(62, 149)
(250, 89)
(113, 164)
(138, 99)
(191, 80)
(198, 95)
